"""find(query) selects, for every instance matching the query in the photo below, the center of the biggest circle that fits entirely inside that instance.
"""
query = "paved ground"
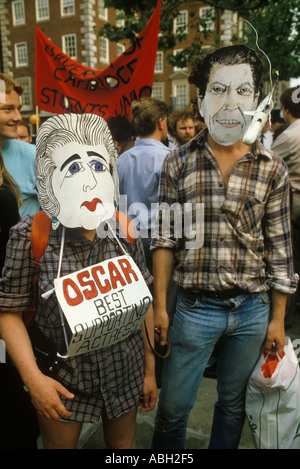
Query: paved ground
(199, 424)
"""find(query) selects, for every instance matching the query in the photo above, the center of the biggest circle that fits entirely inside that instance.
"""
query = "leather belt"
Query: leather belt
(217, 295)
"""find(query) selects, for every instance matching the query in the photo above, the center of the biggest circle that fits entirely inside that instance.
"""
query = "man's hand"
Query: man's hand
(44, 393)
(161, 322)
(275, 340)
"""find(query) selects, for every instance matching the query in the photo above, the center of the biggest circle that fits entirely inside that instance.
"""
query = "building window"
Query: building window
(181, 22)
(69, 45)
(21, 53)
(42, 10)
(26, 97)
(104, 50)
(120, 49)
(18, 12)
(181, 93)
(120, 21)
(102, 11)
(158, 91)
(159, 64)
(207, 13)
(67, 7)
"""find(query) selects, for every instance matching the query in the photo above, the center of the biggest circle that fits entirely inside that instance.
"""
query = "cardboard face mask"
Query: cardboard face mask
(76, 170)
(229, 93)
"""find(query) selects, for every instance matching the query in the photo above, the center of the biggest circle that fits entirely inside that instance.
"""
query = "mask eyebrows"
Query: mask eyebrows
(71, 158)
(94, 153)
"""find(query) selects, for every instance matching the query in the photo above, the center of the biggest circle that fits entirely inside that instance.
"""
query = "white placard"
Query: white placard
(103, 303)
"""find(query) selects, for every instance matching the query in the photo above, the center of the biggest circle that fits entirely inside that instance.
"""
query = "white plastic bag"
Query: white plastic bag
(273, 402)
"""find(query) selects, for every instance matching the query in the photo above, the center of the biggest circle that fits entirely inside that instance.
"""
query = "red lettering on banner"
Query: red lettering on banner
(68, 283)
(129, 76)
(102, 288)
(88, 283)
(127, 270)
(115, 276)
(93, 292)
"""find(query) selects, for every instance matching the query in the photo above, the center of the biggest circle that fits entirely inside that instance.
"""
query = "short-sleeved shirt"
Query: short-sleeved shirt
(19, 160)
(111, 377)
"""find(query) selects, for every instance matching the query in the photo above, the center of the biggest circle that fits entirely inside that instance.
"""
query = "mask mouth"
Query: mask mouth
(228, 123)
(91, 206)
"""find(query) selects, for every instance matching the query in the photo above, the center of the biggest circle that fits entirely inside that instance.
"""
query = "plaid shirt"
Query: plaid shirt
(110, 377)
(246, 229)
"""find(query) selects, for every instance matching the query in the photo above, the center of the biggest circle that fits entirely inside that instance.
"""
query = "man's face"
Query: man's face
(10, 116)
(230, 91)
(83, 185)
(185, 130)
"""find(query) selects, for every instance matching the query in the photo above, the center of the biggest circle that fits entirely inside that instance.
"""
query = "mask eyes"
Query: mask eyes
(218, 89)
(75, 168)
(245, 91)
(97, 166)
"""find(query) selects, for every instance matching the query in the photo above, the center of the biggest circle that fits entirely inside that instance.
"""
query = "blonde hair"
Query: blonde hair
(11, 84)
(7, 180)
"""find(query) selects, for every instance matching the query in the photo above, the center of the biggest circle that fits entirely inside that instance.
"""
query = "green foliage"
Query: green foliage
(277, 26)
(276, 21)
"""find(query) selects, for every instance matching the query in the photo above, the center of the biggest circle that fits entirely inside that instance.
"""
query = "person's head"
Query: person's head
(149, 115)
(183, 125)
(77, 178)
(121, 131)
(290, 104)
(230, 82)
(7, 180)
(24, 133)
(10, 106)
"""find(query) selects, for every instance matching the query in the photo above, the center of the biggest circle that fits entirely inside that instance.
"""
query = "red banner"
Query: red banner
(64, 85)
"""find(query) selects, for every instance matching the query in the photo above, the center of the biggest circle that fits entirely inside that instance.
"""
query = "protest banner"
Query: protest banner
(64, 85)
(103, 303)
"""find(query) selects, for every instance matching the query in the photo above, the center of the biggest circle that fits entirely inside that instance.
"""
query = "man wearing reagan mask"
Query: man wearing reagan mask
(243, 271)
(78, 189)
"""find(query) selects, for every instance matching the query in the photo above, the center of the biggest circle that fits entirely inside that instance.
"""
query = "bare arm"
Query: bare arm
(163, 260)
(43, 390)
(149, 387)
(275, 333)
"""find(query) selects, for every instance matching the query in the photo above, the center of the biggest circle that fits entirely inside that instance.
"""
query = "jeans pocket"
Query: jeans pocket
(265, 297)
(187, 300)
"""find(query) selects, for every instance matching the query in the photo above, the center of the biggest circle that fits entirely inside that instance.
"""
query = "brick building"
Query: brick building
(72, 25)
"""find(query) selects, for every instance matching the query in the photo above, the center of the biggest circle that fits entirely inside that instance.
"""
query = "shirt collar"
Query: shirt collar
(258, 150)
(150, 141)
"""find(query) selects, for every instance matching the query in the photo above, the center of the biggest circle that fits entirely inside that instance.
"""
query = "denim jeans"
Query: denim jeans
(240, 324)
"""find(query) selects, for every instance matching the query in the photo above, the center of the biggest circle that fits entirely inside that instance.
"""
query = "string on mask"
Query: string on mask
(257, 45)
(263, 112)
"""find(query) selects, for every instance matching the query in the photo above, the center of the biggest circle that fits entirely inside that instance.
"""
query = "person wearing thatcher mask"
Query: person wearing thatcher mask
(78, 190)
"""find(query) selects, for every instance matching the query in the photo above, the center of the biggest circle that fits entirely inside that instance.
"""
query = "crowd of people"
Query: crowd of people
(237, 290)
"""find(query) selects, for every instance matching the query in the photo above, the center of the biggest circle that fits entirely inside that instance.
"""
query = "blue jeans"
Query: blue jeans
(199, 322)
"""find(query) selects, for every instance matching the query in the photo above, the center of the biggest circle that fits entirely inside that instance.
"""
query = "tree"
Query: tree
(276, 22)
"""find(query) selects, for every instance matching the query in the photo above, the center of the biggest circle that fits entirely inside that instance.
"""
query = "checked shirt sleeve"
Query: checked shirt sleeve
(17, 273)
(167, 216)
(278, 245)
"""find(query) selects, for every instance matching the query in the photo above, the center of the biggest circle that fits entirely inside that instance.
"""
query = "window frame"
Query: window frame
(19, 63)
(18, 22)
(38, 8)
(64, 48)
